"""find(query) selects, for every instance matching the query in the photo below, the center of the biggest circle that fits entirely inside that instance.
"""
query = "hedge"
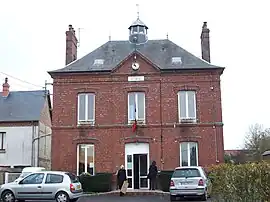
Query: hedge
(164, 179)
(100, 182)
(244, 182)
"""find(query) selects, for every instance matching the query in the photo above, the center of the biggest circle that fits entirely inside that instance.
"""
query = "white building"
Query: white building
(25, 128)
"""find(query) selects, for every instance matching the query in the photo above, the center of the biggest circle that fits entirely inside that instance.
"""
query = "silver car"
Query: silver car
(45, 185)
(190, 181)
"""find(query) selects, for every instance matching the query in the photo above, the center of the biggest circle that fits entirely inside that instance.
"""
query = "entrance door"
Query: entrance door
(136, 163)
(140, 168)
(143, 168)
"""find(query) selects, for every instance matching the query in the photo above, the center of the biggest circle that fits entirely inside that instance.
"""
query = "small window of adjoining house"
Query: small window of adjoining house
(176, 60)
(85, 160)
(187, 105)
(86, 108)
(54, 179)
(136, 106)
(2, 140)
(188, 154)
(99, 62)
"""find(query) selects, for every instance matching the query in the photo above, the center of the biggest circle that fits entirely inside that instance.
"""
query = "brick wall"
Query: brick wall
(111, 130)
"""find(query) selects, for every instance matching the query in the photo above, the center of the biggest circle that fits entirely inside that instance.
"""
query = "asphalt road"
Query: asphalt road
(128, 199)
(125, 198)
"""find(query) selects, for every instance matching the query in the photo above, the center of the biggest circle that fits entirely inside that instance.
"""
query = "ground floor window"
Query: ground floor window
(85, 159)
(188, 154)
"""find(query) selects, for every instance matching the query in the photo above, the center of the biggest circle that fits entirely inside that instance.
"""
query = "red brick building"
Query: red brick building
(172, 96)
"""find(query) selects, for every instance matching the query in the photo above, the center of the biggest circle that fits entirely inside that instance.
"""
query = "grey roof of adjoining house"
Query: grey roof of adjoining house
(159, 52)
(22, 106)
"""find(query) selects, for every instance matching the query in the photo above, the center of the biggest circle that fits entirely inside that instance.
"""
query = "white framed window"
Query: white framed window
(176, 60)
(86, 108)
(99, 62)
(187, 105)
(85, 159)
(189, 154)
(136, 107)
(2, 140)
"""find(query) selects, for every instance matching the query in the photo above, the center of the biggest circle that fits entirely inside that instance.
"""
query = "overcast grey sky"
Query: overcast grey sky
(32, 41)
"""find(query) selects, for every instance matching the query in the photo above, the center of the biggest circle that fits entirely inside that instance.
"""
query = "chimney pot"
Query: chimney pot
(6, 86)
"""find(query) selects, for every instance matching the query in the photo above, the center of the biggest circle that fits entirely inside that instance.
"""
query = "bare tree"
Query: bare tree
(257, 141)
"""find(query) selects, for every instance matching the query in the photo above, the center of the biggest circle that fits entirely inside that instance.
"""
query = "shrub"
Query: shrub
(243, 182)
(101, 182)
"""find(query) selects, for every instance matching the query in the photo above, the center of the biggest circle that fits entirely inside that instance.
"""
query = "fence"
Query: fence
(6, 177)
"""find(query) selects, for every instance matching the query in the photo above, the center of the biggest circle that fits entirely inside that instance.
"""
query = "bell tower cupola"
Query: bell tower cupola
(138, 32)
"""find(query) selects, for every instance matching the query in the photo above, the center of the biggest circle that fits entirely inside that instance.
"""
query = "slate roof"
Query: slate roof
(22, 106)
(159, 52)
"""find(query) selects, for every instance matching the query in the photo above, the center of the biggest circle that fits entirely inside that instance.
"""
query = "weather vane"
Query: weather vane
(138, 11)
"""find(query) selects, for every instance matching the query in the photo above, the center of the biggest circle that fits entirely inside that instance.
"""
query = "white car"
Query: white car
(190, 181)
(46, 185)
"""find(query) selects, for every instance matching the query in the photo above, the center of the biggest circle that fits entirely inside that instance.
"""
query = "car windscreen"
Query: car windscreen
(186, 173)
(73, 178)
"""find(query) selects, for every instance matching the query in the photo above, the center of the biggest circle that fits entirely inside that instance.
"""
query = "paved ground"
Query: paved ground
(127, 198)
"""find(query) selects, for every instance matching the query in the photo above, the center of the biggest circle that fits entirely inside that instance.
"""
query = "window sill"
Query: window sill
(86, 123)
(2, 151)
(139, 122)
(188, 121)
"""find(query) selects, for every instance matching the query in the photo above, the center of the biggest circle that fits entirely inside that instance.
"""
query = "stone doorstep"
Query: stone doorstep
(132, 193)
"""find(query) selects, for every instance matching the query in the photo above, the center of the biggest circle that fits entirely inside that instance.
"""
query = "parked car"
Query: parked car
(190, 181)
(45, 185)
(28, 170)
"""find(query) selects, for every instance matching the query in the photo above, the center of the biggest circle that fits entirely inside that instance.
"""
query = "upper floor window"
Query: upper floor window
(187, 105)
(2, 140)
(86, 108)
(136, 106)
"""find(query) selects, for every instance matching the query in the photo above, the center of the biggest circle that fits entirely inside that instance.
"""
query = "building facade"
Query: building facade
(25, 129)
(131, 102)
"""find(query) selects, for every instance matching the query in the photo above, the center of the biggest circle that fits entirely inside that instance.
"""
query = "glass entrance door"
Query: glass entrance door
(143, 170)
(129, 169)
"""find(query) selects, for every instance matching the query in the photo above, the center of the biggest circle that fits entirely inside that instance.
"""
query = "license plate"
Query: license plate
(78, 186)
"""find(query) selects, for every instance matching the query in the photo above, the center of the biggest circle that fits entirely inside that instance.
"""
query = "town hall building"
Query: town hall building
(134, 101)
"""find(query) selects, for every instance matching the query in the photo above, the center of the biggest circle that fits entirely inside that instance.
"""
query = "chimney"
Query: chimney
(205, 43)
(5, 92)
(71, 45)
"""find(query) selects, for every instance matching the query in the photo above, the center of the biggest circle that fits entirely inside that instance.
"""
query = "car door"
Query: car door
(52, 184)
(30, 187)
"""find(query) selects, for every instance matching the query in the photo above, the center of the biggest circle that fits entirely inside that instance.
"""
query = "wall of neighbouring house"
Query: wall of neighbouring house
(18, 146)
(44, 138)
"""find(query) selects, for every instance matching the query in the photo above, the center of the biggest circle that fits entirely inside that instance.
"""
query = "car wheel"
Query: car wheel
(62, 197)
(172, 198)
(8, 196)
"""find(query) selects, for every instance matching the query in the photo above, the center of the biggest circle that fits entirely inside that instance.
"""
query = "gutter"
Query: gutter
(33, 148)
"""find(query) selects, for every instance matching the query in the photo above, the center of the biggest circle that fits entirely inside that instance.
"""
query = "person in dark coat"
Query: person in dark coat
(121, 178)
(152, 175)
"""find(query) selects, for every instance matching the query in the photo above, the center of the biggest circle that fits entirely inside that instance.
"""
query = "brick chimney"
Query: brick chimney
(71, 45)
(5, 92)
(205, 43)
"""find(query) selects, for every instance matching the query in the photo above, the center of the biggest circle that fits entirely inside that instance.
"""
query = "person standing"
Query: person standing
(152, 175)
(121, 178)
